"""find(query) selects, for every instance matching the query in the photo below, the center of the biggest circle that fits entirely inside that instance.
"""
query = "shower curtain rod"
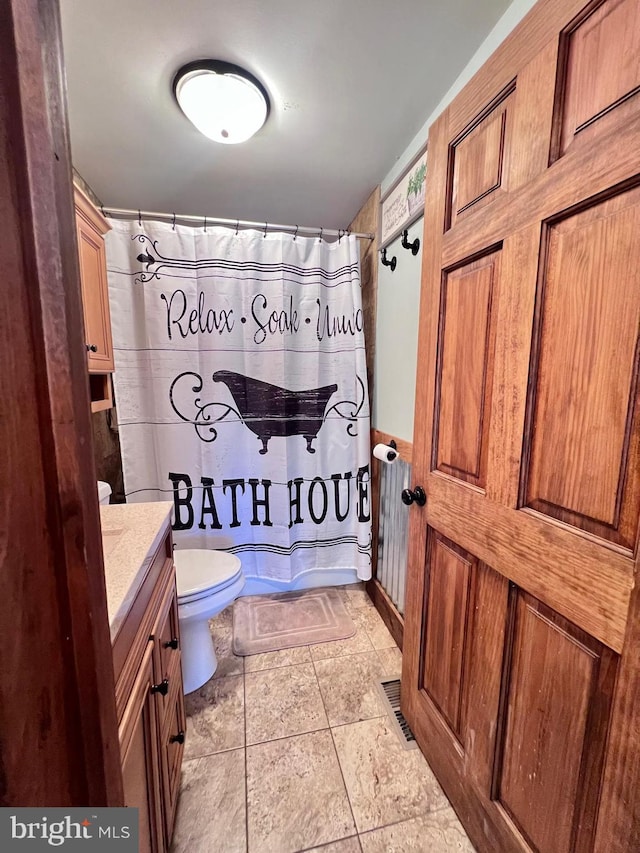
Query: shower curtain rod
(121, 213)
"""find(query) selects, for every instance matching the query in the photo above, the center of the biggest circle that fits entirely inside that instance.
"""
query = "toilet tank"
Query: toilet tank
(104, 492)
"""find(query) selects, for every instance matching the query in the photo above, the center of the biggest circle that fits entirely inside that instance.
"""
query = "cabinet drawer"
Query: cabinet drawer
(171, 750)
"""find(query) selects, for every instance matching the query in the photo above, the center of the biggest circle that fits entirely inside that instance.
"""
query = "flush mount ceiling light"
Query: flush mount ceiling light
(222, 100)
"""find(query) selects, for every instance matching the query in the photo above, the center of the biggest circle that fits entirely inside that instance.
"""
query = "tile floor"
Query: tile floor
(292, 751)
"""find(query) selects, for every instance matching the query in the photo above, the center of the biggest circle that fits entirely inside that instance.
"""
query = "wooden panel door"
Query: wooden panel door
(522, 633)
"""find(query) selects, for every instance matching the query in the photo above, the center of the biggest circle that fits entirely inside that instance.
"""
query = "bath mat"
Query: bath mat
(268, 623)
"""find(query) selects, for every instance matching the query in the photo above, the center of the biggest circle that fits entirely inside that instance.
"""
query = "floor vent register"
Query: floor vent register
(389, 689)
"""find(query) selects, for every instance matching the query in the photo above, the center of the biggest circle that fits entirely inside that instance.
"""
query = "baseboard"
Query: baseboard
(387, 610)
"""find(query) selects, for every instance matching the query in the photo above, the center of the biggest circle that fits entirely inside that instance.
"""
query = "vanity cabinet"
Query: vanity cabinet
(91, 226)
(150, 701)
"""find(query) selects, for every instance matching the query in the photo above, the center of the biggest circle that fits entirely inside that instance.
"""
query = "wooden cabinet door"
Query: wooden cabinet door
(141, 772)
(90, 228)
(171, 753)
(170, 705)
(522, 630)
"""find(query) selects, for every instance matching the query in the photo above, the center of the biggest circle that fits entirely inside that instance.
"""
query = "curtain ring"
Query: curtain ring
(237, 226)
(265, 230)
(102, 210)
(139, 218)
(295, 235)
(340, 233)
(173, 224)
(205, 225)
(320, 237)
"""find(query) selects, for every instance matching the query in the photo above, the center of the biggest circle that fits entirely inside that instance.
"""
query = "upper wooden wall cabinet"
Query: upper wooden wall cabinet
(91, 227)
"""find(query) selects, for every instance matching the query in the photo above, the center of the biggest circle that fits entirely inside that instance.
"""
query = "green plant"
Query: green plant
(417, 180)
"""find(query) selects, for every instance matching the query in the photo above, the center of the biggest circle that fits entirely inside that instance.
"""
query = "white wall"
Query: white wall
(397, 314)
(399, 292)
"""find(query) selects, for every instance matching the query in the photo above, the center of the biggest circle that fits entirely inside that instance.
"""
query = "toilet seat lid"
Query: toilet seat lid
(199, 570)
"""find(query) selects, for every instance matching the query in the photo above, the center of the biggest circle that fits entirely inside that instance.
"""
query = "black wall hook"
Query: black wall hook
(415, 246)
(386, 263)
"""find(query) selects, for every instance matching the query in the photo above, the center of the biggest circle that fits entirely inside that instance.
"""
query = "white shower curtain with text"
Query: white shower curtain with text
(241, 389)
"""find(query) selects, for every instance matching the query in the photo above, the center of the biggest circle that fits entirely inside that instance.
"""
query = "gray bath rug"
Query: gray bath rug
(267, 623)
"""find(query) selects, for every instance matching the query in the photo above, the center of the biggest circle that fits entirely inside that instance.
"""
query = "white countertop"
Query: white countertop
(131, 534)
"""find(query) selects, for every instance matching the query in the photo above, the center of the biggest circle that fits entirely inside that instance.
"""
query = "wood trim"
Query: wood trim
(405, 448)
(86, 208)
(367, 221)
(58, 730)
(387, 610)
(101, 388)
(618, 827)
(392, 618)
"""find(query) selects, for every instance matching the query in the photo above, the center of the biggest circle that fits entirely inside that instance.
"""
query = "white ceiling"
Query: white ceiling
(350, 82)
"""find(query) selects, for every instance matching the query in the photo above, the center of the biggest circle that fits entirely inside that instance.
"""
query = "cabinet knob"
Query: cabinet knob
(92, 348)
(171, 644)
(162, 688)
(179, 738)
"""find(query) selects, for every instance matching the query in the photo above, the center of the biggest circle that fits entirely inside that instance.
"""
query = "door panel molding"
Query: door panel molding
(552, 192)
(559, 690)
(466, 352)
(479, 158)
(562, 567)
(577, 405)
(447, 626)
(591, 88)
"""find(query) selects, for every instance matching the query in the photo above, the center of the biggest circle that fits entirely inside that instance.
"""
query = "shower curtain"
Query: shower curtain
(241, 389)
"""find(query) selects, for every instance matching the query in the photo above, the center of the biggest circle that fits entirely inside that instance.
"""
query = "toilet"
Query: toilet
(104, 493)
(207, 581)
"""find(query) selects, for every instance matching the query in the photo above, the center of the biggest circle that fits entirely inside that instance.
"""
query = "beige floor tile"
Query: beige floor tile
(358, 598)
(273, 660)
(346, 845)
(211, 813)
(391, 660)
(222, 631)
(283, 702)
(385, 782)
(215, 717)
(437, 832)
(360, 642)
(348, 688)
(369, 619)
(296, 796)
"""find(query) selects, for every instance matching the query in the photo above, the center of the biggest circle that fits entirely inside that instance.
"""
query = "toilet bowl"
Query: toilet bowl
(207, 581)
(104, 493)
